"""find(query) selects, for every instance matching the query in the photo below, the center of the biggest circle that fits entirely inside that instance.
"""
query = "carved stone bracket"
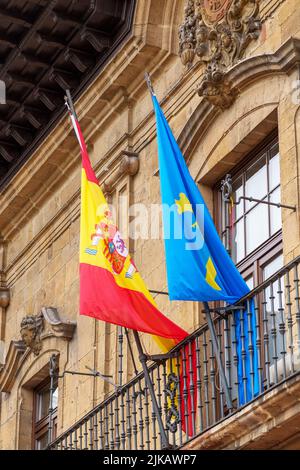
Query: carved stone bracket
(34, 327)
(60, 328)
(218, 33)
(129, 164)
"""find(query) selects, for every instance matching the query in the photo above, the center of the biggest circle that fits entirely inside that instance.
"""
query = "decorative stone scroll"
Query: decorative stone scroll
(218, 33)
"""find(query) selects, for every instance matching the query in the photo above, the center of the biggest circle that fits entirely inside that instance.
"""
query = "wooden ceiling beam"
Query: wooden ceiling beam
(20, 135)
(97, 41)
(46, 97)
(8, 151)
(51, 41)
(15, 17)
(14, 77)
(33, 116)
(79, 60)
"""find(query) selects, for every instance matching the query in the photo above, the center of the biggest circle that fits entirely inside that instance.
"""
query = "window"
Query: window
(41, 414)
(252, 230)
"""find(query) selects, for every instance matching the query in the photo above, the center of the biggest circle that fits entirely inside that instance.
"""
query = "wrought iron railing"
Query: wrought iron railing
(260, 347)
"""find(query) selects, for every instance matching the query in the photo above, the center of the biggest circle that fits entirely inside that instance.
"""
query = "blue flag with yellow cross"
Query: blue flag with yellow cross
(198, 265)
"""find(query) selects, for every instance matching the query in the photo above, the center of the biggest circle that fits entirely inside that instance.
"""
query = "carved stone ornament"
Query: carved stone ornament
(218, 33)
(31, 329)
(4, 297)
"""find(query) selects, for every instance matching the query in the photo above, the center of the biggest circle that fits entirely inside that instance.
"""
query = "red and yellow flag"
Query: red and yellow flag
(111, 288)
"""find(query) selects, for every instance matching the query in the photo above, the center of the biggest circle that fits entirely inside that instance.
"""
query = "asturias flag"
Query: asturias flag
(198, 266)
(111, 288)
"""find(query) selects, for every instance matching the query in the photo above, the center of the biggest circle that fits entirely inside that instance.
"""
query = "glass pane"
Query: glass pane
(238, 245)
(250, 282)
(238, 192)
(274, 172)
(42, 442)
(272, 267)
(257, 183)
(257, 227)
(275, 212)
(43, 401)
(55, 398)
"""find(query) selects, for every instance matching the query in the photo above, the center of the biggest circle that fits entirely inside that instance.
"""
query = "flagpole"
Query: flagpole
(142, 356)
(143, 360)
(218, 356)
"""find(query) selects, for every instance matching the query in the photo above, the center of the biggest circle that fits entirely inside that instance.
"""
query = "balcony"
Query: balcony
(259, 344)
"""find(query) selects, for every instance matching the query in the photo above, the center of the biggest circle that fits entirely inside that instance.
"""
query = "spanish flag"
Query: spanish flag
(111, 288)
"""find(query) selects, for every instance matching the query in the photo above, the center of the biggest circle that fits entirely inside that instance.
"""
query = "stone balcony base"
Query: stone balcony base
(270, 422)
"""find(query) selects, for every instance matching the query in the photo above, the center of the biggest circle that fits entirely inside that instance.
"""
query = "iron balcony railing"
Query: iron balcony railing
(260, 347)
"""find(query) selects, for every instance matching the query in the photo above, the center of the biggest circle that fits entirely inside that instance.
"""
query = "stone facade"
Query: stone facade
(39, 210)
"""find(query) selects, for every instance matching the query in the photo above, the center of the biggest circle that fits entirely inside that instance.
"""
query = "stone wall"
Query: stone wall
(39, 210)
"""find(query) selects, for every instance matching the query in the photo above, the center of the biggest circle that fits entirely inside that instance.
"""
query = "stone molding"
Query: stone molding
(219, 42)
(9, 370)
(46, 323)
(268, 7)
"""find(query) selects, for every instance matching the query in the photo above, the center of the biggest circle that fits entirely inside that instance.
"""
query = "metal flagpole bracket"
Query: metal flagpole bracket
(227, 196)
(94, 373)
(149, 83)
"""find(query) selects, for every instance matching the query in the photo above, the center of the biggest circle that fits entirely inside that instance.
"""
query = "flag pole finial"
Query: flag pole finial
(149, 83)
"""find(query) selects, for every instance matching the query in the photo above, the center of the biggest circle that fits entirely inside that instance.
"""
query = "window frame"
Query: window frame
(252, 264)
(40, 427)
